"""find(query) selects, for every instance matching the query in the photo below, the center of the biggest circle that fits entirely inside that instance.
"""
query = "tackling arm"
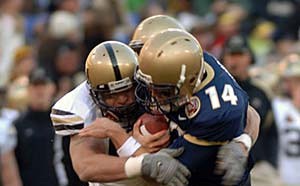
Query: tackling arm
(232, 157)
(92, 164)
(253, 122)
(126, 145)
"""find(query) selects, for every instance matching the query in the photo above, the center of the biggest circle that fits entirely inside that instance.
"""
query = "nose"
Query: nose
(122, 100)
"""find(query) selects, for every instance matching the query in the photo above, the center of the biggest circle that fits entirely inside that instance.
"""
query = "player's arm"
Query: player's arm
(251, 130)
(126, 144)
(232, 157)
(87, 153)
(91, 164)
(252, 125)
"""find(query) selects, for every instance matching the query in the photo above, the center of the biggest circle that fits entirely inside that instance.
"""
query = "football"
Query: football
(152, 124)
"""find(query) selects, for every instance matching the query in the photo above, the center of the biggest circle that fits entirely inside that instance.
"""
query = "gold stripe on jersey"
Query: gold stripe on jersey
(66, 120)
(68, 127)
(201, 142)
(210, 76)
(60, 112)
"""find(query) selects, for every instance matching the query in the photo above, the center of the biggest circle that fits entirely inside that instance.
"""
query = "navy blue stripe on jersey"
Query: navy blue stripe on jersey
(69, 127)
(61, 112)
(114, 61)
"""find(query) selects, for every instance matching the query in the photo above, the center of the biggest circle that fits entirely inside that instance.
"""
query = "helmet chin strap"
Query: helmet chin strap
(110, 115)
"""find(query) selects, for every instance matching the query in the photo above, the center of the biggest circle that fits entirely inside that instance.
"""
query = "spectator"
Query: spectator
(9, 169)
(39, 152)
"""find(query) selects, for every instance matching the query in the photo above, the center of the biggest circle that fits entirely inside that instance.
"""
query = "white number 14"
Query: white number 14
(227, 95)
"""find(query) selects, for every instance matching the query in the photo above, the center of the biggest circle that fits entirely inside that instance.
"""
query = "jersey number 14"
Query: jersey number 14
(227, 95)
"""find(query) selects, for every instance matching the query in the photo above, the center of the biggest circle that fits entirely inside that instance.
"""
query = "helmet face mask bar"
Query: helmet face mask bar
(164, 98)
(102, 92)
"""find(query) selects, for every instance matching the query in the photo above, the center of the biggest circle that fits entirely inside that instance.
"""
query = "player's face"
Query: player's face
(119, 99)
(163, 97)
(162, 94)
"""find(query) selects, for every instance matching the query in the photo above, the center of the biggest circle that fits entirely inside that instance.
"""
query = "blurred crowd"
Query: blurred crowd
(44, 44)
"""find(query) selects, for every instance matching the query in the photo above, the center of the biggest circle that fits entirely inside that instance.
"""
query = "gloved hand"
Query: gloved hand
(165, 169)
(232, 160)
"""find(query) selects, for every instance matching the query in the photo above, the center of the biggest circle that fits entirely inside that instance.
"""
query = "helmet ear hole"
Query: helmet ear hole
(159, 54)
(174, 42)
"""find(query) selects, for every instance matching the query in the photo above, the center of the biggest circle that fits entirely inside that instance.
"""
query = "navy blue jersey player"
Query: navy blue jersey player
(215, 115)
(195, 91)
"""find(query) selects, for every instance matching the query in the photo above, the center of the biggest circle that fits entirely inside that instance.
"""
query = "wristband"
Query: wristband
(129, 147)
(133, 166)
(245, 139)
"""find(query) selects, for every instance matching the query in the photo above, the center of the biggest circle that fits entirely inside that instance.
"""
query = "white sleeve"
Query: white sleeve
(73, 111)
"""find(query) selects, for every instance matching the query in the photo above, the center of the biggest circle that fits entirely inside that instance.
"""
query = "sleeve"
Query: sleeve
(66, 123)
(71, 112)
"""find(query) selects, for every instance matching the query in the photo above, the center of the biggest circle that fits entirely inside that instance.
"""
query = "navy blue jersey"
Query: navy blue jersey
(218, 110)
(217, 113)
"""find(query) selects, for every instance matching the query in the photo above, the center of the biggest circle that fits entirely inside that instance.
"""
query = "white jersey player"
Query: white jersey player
(77, 110)
(109, 92)
(287, 116)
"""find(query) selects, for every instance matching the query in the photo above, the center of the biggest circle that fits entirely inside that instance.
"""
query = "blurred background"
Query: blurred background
(44, 44)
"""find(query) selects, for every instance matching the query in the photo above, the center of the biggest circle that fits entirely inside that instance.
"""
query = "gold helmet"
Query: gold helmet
(110, 68)
(170, 63)
(151, 26)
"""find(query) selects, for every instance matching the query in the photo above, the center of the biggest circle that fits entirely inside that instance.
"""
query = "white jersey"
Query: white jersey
(77, 110)
(287, 118)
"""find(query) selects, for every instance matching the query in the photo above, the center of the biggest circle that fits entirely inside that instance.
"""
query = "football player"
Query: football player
(109, 93)
(149, 27)
(195, 91)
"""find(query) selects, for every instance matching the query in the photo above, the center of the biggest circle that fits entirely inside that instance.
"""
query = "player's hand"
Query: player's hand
(100, 128)
(231, 161)
(166, 170)
(151, 143)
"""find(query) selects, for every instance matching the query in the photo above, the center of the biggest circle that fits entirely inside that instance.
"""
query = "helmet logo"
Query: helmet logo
(193, 107)
(118, 86)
